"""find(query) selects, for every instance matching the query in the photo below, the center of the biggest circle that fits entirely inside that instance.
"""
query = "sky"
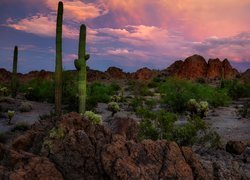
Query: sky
(129, 34)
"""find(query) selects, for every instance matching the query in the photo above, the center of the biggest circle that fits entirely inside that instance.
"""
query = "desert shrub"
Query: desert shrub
(176, 93)
(116, 98)
(136, 103)
(161, 125)
(155, 82)
(150, 103)
(10, 115)
(187, 134)
(98, 92)
(245, 110)
(4, 91)
(92, 117)
(42, 90)
(156, 125)
(236, 89)
(197, 108)
(25, 107)
(21, 127)
(113, 107)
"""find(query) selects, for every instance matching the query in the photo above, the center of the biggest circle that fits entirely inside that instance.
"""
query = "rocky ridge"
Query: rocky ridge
(73, 148)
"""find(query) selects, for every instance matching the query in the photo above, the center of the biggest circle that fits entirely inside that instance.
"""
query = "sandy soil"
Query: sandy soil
(229, 125)
(38, 110)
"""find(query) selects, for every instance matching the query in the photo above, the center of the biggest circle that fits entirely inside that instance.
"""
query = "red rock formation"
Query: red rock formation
(246, 76)
(193, 67)
(144, 74)
(116, 73)
(214, 69)
(229, 72)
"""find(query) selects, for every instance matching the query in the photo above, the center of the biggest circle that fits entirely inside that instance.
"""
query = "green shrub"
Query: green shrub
(176, 93)
(236, 89)
(98, 92)
(156, 125)
(92, 117)
(39, 89)
(113, 107)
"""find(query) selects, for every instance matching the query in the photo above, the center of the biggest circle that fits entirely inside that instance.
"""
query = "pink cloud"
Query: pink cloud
(77, 10)
(43, 25)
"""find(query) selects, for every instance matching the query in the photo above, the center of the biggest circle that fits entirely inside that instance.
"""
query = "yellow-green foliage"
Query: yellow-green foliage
(48, 144)
(56, 133)
(92, 117)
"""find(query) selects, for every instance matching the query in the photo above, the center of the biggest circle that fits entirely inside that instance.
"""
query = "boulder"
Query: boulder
(235, 147)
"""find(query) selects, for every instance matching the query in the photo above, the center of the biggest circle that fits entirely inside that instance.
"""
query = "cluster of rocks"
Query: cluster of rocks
(73, 148)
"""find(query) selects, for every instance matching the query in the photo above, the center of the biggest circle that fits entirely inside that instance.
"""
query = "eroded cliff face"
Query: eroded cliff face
(71, 147)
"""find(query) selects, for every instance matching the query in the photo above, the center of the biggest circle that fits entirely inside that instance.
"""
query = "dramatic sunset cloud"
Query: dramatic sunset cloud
(128, 33)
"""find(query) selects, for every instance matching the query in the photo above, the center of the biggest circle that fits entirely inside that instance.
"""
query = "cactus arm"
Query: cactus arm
(58, 68)
(77, 64)
(87, 56)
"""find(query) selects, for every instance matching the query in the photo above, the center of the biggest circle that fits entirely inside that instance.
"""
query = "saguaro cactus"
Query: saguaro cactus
(14, 74)
(58, 68)
(80, 65)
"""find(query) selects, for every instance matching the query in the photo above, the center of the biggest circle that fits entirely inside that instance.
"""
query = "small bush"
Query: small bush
(176, 93)
(39, 89)
(92, 117)
(245, 110)
(98, 92)
(236, 89)
(113, 107)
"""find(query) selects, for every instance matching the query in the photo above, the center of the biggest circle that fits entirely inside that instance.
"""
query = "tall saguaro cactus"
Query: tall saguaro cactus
(14, 73)
(58, 68)
(80, 65)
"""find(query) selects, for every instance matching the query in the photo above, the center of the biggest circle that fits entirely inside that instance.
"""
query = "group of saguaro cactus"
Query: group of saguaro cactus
(80, 65)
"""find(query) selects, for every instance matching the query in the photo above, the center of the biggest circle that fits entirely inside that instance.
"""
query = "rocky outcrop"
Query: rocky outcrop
(235, 147)
(23, 165)
(144, 74)
(195, 67)
(246, 76)
(214, 69)
(4, 75)
(115, 73)
(73, 148)
(45, 75)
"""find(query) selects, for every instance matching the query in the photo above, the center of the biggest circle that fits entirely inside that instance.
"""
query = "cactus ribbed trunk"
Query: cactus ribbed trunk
(58, 68)
(14, 74)
(80, 64)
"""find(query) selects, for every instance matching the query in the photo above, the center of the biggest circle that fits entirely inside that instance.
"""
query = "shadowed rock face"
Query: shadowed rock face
(73, 148)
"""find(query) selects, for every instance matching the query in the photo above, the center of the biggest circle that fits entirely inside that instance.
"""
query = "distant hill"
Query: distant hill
(192, 68)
